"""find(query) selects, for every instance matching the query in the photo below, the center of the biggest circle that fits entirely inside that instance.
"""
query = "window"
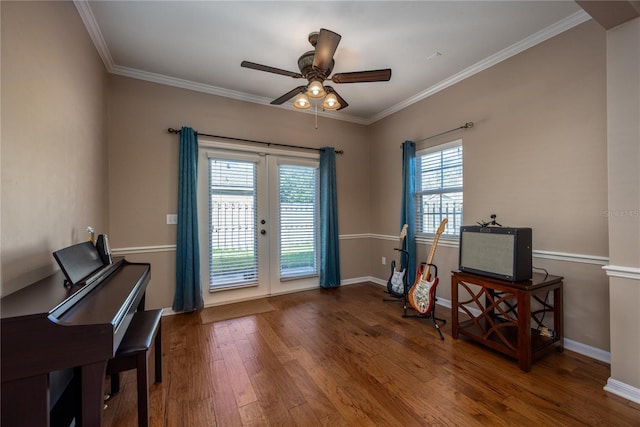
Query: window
(439, 189)
(259, 219)
(232, 223)
(298, 188)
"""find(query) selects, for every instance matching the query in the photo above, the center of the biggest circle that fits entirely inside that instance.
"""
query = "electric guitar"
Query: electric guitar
(422, 294)
(395, 285)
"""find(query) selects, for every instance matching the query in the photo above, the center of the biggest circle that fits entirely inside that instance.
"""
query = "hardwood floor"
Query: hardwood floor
(343, 357)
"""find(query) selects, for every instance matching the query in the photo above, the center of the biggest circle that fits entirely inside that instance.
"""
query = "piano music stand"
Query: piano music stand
(78, 261)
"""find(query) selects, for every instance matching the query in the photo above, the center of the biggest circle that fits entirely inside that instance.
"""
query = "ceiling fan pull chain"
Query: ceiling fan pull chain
(316, 114)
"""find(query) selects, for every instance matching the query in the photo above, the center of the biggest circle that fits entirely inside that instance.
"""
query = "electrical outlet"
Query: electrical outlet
(384, 260)
(172, 218)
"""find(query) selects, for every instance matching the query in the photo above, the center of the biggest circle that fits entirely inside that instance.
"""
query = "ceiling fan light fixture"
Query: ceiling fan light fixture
(330, 102)
(316, 67)
(315, 90)
(301, 102)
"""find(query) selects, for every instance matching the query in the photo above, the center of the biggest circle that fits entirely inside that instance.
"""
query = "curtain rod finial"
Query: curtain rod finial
(172, 130)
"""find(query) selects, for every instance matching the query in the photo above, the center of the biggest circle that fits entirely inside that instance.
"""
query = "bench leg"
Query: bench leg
(115, 384)
(158, 355)
(143, 389)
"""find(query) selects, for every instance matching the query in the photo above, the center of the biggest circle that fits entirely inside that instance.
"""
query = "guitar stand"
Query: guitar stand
(402, 297)
(432, 314)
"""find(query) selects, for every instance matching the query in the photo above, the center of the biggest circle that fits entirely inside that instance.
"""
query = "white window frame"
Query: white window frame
(310, 164)
(241, 152)
(204, 216)
(452, 229)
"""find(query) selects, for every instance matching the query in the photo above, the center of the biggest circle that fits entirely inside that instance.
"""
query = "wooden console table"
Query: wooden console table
(508, 316)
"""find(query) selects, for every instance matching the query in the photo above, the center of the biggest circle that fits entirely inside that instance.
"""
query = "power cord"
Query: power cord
(546, 273)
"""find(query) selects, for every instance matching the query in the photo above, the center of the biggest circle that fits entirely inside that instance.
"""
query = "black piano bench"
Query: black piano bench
(133, 353)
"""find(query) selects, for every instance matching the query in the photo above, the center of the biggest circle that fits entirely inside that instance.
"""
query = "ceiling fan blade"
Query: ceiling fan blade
(343, 103)
(287, 96)
(260, 67)
(325, 48)
(363, 76)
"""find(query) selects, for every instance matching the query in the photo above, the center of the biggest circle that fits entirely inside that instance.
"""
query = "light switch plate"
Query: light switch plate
(172, 218)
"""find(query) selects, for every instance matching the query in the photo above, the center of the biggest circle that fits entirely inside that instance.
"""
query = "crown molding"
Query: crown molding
(89, 20)
(186, 84)
(226, 93)
(542, 35)
(86, 14)
(90, 23)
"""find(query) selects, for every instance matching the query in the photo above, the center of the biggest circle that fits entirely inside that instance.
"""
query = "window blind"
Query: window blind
(233, 226)
(439, 190)
(298, 189)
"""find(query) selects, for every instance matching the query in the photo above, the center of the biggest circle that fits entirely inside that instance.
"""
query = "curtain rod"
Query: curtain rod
(177, 131)
(467, 125)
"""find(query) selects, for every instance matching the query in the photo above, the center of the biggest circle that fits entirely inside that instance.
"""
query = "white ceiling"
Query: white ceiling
(429, 45)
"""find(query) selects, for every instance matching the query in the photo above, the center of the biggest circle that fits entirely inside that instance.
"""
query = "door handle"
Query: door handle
(263, 231)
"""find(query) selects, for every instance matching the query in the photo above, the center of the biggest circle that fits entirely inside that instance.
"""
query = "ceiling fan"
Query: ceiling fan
(316, 66)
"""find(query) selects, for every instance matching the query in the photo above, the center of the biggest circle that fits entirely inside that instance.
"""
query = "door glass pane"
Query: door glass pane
(232, 223)
(298, 221)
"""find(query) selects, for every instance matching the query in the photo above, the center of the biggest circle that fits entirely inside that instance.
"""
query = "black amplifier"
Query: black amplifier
(499, 252)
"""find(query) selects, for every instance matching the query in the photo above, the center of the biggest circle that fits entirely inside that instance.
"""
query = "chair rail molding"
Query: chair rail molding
(617, 271)
(143, 249)
(541, 254)
(623, 272)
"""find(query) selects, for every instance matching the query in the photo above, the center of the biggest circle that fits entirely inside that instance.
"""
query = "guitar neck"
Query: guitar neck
(403, 235)
(432, 252)
(399, 259)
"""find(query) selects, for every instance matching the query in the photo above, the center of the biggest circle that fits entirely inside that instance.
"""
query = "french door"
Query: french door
(258, 222)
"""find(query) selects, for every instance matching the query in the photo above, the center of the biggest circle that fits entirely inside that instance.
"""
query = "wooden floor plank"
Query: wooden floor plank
(225, 407)
(316, 399)
(345, 357)
(239, 381)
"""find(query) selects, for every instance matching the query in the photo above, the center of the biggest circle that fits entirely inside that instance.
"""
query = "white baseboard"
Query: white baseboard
(585, 350)
(371, 279)
(613, 386)
(623, 390)
(168, 311)
(575, 346)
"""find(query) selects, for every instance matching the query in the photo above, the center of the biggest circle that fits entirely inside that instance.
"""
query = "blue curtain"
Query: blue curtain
(329, 253)
(407, 209)
(188, 296)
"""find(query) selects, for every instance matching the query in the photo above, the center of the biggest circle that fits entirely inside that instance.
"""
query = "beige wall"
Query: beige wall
(623, 103)
(143, 168)
(54, 156)
(536, 157)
